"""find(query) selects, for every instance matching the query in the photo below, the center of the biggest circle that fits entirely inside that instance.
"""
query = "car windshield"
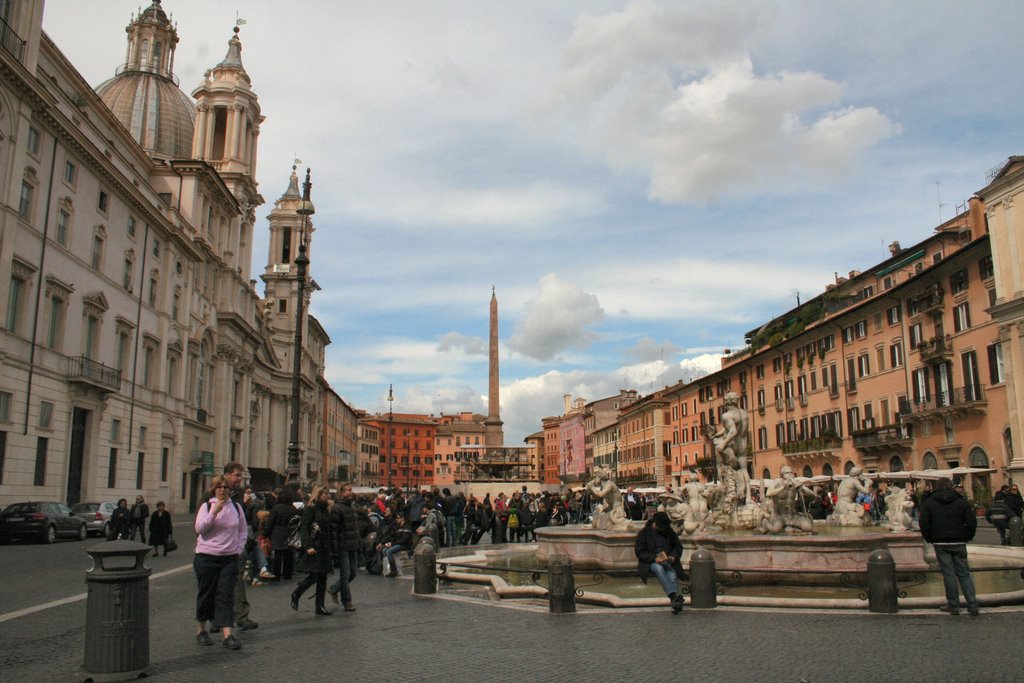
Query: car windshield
(86, 507)
(22, 507)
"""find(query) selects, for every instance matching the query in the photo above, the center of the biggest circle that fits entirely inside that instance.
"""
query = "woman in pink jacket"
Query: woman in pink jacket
(220, 538)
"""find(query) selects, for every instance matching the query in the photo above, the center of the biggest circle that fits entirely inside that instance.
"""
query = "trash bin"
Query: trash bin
(117, 612)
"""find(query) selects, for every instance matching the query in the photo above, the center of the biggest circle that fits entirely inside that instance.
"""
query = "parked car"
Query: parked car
(45, 522)
(96, 516)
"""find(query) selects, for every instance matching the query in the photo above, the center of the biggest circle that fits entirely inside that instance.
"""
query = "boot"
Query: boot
(321, 611)
(295, 600)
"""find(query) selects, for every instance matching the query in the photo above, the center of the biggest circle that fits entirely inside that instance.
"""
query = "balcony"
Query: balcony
(887, 438)
(956, 404)
(936, 349)
(82, 370)
(790, 403)
(11, 41)
(803, 400)
(929, 300)
(806, 449)
(778, 405)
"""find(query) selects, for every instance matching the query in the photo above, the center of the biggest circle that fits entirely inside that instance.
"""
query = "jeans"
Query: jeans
(389, 555)
(953, 564)
(140, 526)
(666, 576)
(347, 571)
(449, 532)
(216, 576)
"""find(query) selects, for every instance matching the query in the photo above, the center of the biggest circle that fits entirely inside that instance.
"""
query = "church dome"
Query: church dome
(144, 94)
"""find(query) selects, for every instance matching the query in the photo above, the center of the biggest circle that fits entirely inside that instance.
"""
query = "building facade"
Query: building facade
(136, 355)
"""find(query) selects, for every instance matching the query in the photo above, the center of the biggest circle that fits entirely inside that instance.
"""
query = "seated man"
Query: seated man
(658, 552)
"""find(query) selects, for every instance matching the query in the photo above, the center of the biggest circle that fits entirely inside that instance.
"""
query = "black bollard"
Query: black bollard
(1016, 532)
(703, 591)
(882, 597)
(425, 564)
(561, 586)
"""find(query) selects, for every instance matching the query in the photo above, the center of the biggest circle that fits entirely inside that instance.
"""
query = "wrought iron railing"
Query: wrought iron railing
(11, 41)
(85, 369)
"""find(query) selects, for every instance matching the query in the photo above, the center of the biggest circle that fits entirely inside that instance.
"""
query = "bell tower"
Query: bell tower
(227, 130)
(288, 229)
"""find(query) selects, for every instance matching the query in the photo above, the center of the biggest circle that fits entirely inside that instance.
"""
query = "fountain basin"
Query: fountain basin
(832, 549)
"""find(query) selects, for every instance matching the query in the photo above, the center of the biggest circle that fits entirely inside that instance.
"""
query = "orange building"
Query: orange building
(643, 452)
(535, 442)
(451, 457)
(893, 369)
(551, 450)
(406, 449)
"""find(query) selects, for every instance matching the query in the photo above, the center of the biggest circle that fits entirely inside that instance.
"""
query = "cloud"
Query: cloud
(647, 350)
(472, 346)
(701, 365)
(557, 319)
(672, 93)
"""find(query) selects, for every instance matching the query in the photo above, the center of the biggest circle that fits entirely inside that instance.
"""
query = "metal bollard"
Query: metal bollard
(425, 563)
(882, 594)
(561, 586)
(117, 612)
(703, 591)
(1016, 532)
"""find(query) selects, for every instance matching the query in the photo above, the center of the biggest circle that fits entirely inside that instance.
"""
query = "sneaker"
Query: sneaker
(203, 638)
(334, 597)
(232, 643)
(264, 574)
(256, 583)
(349, 607)
(950, 610)
(247, 625)
(973, 611)
(677, 604)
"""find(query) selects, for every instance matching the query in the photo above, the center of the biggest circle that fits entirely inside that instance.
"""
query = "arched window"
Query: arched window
(826, 469)
(978, 458)
(929, 462)
(848, 466)
(808, 472)
(766, 473)
(896, 464)
(144, 54)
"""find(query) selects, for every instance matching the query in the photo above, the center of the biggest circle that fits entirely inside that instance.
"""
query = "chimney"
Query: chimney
(894, 248)
(567, 399)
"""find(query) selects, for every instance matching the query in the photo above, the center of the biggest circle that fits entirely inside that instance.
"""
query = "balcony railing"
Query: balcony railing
(789, 403)
(936, 349)
(957, 402)
(11, 41)
(883, 437)
(812, 445)
(84, 370)
(803, 400)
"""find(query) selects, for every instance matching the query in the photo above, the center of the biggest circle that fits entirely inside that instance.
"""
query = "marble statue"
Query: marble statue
(610, 513)
(898, 505)
(695, 498)
(787, 509)
(848, 512)
(730, 442)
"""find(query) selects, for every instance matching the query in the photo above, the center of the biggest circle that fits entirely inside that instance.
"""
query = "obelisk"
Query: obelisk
(493, 435)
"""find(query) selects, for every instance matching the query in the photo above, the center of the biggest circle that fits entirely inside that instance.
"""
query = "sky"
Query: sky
(641, 182)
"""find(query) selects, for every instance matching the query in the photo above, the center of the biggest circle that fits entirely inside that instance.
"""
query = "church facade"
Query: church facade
(136, 354)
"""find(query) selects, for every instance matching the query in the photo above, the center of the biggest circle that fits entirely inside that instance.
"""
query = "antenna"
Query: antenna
(938, 198)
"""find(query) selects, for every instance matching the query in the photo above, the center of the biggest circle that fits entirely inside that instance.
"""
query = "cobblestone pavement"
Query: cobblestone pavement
(395, 635)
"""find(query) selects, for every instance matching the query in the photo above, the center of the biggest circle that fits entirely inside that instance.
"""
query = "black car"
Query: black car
(45, 522)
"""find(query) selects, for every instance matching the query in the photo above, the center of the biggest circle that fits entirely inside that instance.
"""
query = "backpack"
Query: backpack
(513, 520)
(375, 564)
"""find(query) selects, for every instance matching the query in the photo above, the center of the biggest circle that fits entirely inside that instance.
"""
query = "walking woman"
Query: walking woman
(119, 521)
(221, 532)
(277, 529)
(160, 528)
(315, 559)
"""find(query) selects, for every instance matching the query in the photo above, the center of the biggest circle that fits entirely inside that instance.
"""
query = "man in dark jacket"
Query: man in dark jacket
(658, 552)
(948, 523)
(345, 527)
(998, 515)
(1015, 501)
(139, 515)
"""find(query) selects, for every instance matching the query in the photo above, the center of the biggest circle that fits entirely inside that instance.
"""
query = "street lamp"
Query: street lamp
(391, 402)
(301, 263)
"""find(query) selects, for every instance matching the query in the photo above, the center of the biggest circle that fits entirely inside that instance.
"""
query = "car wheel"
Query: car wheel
(83, 533)
(106, 530)
(50, 535)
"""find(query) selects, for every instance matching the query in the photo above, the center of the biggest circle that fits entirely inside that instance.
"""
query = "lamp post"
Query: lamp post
(391, 402)
(301, 263)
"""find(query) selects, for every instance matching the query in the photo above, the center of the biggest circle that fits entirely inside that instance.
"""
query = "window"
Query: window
(45, 415)
(33, 140)
(862, 329)
(55, 321)
(776, 364)
(896, 355)
(827, 343)
(164, 462)
(139, 470)
(97, 252)
(156, 248)
(176, 304)
(853, 419)
(153, 283)
(995, 364)
(282, 305)
(760, 371)
(131, 226)
(5, 406)
(847, 335)
(70, 172)
(112, 469)
(913, 306)
(916, 335)
(863, 365)
(985, 268)
(39, 477)
(63, 225)
(958, 281)
(25, 200)
(126, 275)
(103, 201)
(3, 454)
(961, 317)
(123, 341)
(148, 365)
(894, 315)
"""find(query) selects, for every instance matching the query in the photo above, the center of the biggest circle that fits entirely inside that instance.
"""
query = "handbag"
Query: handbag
(170, 545)
(295, 539)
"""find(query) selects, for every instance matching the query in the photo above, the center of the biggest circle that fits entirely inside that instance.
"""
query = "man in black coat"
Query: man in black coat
(948, 523)
(1015, 501)
(345, 527)
(658, 551)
